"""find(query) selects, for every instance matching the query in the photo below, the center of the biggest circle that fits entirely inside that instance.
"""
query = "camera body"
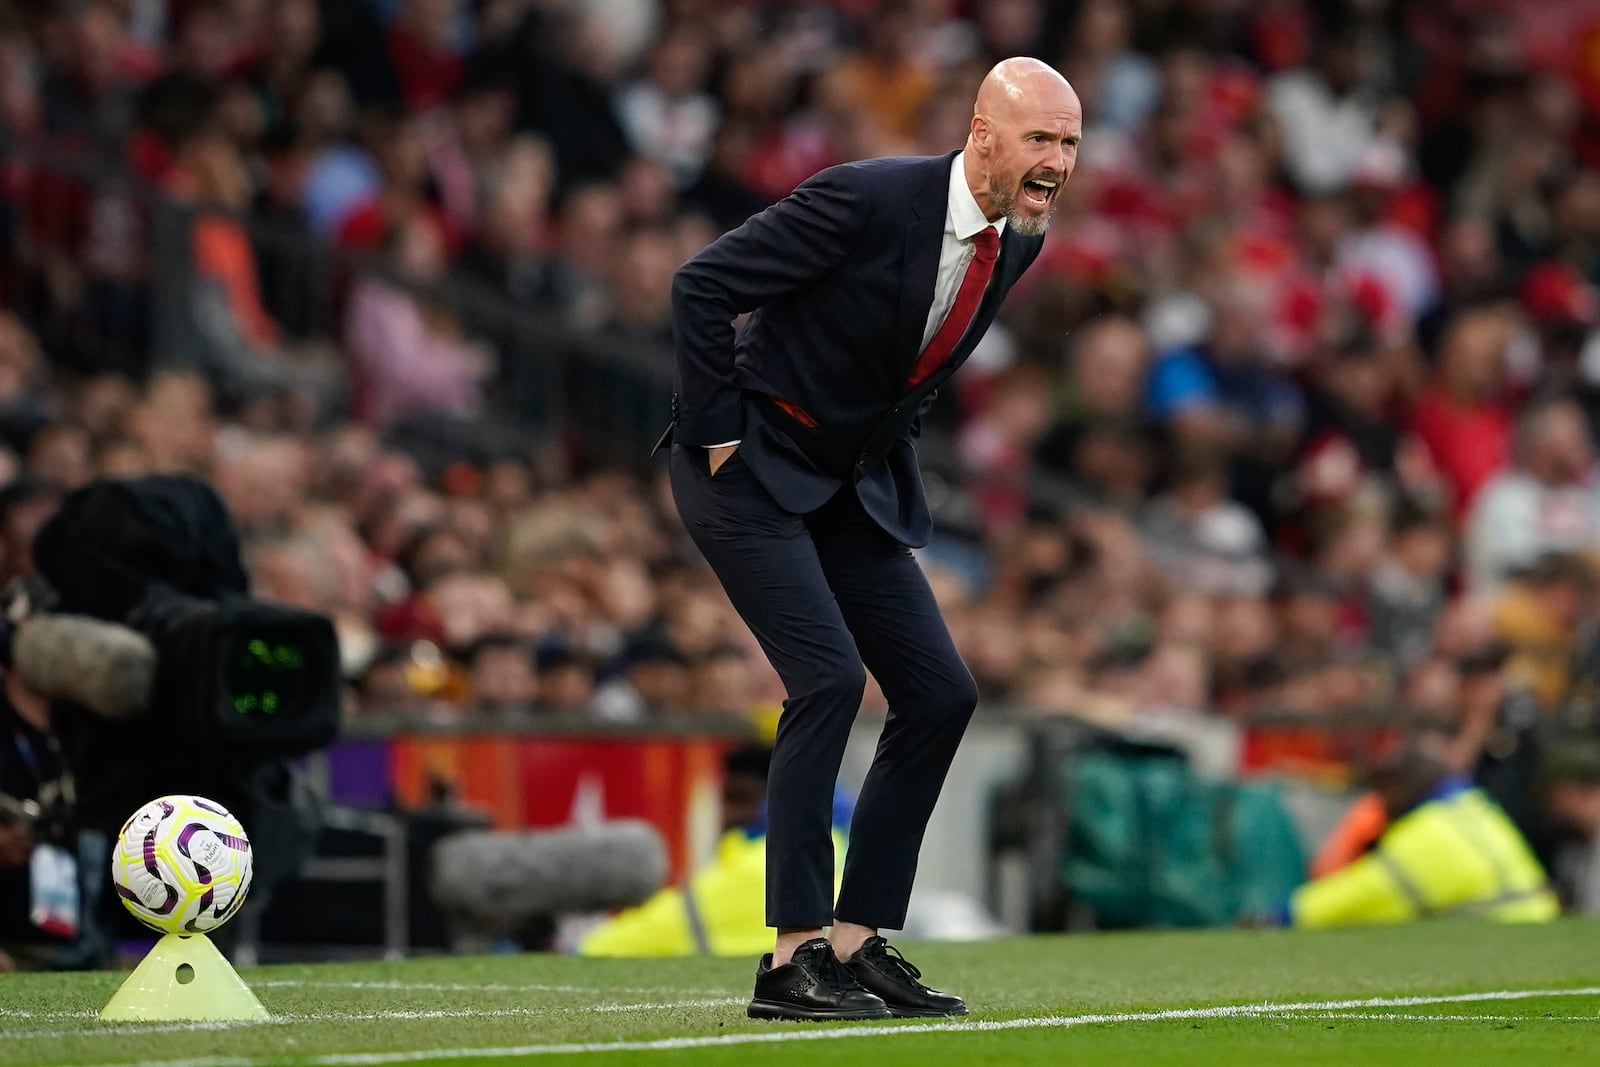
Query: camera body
(239, 676)
(233, 690)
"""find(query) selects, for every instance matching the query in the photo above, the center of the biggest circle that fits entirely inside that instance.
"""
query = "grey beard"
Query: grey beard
(1024, 225)
(1031, 225)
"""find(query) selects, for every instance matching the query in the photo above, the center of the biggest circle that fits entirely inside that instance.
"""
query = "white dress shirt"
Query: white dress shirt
(963, 218)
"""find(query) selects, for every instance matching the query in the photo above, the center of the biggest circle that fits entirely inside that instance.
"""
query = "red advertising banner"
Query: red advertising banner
(533, 782)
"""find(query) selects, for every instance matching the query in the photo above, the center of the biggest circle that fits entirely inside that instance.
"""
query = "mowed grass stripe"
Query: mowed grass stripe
(1022, 978)
(1342, 1009)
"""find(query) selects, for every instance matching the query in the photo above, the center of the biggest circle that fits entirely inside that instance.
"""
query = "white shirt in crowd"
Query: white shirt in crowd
(1324, 135)
(1516, 519)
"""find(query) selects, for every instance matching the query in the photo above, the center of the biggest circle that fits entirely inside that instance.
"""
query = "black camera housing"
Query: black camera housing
(243, 675)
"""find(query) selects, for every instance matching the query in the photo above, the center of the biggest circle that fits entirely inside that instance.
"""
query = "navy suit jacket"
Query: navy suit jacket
(837, 279)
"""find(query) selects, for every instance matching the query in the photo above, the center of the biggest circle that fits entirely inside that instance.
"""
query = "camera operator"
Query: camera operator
(38, 885)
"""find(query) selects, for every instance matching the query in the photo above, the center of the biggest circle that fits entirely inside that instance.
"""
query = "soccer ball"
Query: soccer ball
(182, 865)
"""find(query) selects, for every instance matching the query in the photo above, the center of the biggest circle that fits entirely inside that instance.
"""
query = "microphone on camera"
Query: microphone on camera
(495, 882)
(107, 668)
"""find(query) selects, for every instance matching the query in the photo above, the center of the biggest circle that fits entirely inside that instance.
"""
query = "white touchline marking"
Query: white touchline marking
(296, 1017)
(490, 987)
(673, 1044)
(1288, 1012)
(1412, 1017)
(126, 1030)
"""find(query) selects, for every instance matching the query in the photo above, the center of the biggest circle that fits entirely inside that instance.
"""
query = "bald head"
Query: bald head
(1012, 83)
(1023, 143)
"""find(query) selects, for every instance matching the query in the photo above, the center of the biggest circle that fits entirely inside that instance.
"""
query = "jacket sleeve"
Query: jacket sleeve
(788, 247)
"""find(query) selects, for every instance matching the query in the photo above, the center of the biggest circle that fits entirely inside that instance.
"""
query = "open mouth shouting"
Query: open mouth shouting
(1040, 189)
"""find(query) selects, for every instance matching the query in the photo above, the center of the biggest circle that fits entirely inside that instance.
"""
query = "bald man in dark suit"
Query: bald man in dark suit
(794, 467)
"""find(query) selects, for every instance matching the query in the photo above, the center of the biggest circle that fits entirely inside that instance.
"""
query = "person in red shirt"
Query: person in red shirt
(1460, 417)
(425, 58)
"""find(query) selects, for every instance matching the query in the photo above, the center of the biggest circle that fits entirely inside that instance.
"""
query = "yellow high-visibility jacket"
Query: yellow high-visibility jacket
(725, 913)
(1458, 855)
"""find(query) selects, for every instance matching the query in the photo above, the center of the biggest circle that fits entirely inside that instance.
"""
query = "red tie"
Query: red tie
(986, 245)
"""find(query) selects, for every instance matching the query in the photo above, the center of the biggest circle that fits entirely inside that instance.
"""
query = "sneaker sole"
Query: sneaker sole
(771, 1009)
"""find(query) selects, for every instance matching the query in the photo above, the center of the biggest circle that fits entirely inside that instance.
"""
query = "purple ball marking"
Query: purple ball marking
(171, 901)
(150, 854)
(155, 872)
(223, 914)
(183, 846)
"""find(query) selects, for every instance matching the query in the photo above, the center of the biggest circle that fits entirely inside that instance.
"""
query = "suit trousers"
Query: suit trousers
(826, 594)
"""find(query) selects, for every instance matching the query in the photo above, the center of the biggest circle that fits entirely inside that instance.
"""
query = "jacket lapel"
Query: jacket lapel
(924, 237)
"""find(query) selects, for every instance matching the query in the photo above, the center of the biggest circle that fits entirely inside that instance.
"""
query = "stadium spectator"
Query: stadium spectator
(208, 171)
(723, 682)
(508, 252)
(33, 770)
(1122, 85)
(667, 114)
(1546, 502)
(501, 673)
(409, 360)
(1098, 420)
(997, 443)
(1447, 850)
(1223, 396)
(1328, 112)
(1350, 442)
(1408, 586)
(1203, 539)
(719, 911)
(424, 50)
(1461, 417)
(655, 680)
(1570, 788)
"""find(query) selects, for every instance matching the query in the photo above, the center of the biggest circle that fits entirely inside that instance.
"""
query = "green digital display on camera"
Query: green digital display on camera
(262, 671)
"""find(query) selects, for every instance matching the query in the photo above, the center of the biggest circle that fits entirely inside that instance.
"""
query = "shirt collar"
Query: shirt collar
(964, 217)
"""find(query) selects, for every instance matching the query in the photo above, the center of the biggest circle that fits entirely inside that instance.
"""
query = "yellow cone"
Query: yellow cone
(183, 977)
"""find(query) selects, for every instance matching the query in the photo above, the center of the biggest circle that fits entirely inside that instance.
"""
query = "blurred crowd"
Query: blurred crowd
(1296, 414)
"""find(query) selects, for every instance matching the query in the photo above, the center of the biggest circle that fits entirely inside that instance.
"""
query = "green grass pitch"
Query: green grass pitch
(1448, 993)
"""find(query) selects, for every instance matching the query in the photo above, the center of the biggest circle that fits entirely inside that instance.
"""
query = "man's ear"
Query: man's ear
(982, 132)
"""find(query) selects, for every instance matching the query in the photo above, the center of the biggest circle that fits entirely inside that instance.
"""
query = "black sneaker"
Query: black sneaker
(813, 985)
(881, 969)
